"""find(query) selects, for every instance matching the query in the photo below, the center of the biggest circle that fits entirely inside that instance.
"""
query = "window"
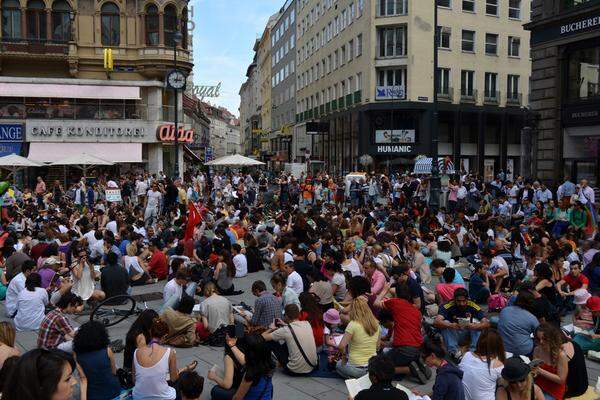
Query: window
(583, 73)
(335, 60)
(467, 83)
(491, 7)
(514, 44)
(392, 42)
(514, 9)
(468, 5)
(444, 3)
(392, 7)
(359, 81)
(512, 87)
(444, 37)
(11, 19)
(359, 45)
(491, 85)
(292, 16)
(36, 20)
(61, 21)
(468, 41)
(391, 77)
(170, 25)
(152, 25)
(443, 76)
(491, 44)
(352, 12)
(350, 50)
(111, 26)
(329, 63)
(361, 6)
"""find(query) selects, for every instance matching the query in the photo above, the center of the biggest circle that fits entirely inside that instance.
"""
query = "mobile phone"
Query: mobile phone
(535, 363)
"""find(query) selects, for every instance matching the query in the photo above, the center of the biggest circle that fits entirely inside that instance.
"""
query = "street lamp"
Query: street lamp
(177, 38)
(434, 198)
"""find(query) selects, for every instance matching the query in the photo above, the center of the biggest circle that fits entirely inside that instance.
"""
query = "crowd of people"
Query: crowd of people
(364, 278)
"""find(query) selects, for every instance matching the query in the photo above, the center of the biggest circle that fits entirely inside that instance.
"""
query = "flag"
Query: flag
(194, 218)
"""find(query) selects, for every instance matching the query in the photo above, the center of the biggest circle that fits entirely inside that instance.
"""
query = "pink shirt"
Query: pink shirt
(377, 282)
(446, 291)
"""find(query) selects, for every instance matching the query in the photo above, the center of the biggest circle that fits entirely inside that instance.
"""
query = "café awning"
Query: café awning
(235, 160)
(113, 152)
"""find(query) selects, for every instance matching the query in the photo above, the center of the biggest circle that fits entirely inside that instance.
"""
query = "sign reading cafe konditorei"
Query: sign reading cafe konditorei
(90, 131)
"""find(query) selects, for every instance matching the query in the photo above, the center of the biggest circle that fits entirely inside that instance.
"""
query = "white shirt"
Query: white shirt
(154, 198)
(288, 256)
(91, 239)
(497, 264)
(353, 267)
(294, 282)
(16, 286)
(141, 188)
(172, 288)
(461, 193)
(112, 226)
(241, 265)
(31, 307)
(478, 380)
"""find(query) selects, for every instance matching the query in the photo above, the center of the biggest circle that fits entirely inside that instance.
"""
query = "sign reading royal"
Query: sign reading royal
(390, 93)
(11, 132)
(89, 131)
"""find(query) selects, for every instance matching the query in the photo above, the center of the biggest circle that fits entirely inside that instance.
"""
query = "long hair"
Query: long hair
(36, 375)
(7, 333)
(257, 351)
(227, 260)
(360, 312)
(310, 304)
(141, 326)
(552, 336)
(91, 336)
(490, 346)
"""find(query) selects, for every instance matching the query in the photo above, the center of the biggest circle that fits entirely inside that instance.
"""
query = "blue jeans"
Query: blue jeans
(453, 336)
(349, 371)
(173, 301)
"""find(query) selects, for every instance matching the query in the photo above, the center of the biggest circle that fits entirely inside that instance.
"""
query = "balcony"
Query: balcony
(327, 107)
(322, 109)
(468, 96)
(349, 98)
(491, 97)
(333, 105)
(341, 102)
(514, 99)
(446, 94)
(35, 46)
(357, 97)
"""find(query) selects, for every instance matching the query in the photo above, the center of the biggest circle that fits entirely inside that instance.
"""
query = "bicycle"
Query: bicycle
(115, 309)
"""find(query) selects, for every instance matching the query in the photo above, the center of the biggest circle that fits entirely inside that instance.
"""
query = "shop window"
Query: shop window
(61, 21)
(170, 23)
(152, 34)
(11, 20)
(36, 20)
(584, 74)
(111, 24)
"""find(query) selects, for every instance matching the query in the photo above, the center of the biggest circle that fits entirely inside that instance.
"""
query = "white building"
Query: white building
(224, 131)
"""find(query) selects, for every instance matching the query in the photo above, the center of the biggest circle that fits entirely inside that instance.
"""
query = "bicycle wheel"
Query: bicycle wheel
(113, 310)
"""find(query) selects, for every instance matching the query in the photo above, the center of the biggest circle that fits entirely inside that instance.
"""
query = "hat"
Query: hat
(581, 296)
(515, 369)
(332, 316)
(593, 303)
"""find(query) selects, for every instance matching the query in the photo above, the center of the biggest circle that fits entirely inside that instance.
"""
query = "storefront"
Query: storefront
(566, 84)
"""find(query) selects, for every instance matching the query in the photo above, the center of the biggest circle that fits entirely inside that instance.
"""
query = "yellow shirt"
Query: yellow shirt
(362, 346)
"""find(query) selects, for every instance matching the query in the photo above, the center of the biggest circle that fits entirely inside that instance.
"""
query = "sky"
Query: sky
(224, 33)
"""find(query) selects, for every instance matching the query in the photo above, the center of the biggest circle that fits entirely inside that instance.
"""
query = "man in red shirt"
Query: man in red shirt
(407, 332)
(158, 265)
(575, 280)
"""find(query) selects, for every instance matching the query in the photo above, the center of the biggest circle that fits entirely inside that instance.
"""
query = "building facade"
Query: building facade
(55, 84)
(283, 82)
(366, 69)
(265, 74)
(565, 88)
(225, 136)
(250, 105)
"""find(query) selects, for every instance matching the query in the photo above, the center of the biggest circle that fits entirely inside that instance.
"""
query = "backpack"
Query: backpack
(496, 302)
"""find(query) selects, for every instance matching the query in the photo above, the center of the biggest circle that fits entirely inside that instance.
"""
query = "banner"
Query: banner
(395, 136)
(113, 195)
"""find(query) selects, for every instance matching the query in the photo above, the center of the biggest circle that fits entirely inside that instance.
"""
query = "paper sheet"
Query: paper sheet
(356, 385)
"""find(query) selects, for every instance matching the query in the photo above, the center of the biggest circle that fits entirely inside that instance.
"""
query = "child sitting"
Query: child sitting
(332, 336)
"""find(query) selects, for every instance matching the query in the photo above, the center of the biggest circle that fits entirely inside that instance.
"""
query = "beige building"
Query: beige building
(366, 69)
(250, 106)
(264, 67)
(54, 83)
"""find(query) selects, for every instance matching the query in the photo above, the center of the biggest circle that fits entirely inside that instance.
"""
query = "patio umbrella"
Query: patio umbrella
(82, 161)
(235, 160)
(14, 163)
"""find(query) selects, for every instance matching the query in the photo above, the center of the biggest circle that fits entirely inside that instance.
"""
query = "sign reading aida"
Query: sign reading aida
(11, 132)
(389, 92)
(166, 133)
(385, 136)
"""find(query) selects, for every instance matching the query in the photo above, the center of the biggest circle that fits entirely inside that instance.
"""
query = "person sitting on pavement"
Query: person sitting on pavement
(84, 276)
(56, 330)
(298, 354)
(182, 325)
(266, 307)
(445, 290)
(517, 323)
(459, 319)
(174, 289)
(31, 304)
(519, 382)
(287, 295)
(16, 285)
(113, 278)
(381, 374)
(448, 378)
(216, 311)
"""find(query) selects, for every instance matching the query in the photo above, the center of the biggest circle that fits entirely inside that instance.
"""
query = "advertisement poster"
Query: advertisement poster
(510, 170)
(488, 170)
(464, 165)
(396, 136)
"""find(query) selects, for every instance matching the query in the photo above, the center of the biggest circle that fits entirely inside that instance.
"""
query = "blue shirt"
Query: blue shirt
(515, 327)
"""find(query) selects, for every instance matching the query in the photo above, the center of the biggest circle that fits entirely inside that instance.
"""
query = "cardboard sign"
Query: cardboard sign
(113, 195)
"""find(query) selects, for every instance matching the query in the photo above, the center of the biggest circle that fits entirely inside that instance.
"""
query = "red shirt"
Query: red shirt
(158, 265)
(317, 328)
(407, 323)
(576, 283)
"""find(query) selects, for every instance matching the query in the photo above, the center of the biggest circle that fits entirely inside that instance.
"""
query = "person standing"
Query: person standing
(40, 190)
(153, 200)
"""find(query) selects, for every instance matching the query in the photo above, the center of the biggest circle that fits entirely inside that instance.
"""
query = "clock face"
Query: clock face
(176, 79)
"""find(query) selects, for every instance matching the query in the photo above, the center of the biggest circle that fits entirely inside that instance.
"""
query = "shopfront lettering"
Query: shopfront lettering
(81, 131)
(11, 132)
(166, 133)
(394, 149)
(580, 25)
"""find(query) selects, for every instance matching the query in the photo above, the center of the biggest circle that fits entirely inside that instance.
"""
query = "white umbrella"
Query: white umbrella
(235, 160)
(14, 163)
(82, 161)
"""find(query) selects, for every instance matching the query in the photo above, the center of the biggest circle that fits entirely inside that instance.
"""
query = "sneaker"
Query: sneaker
(424, 368)
(416, 372)
(457, 355)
